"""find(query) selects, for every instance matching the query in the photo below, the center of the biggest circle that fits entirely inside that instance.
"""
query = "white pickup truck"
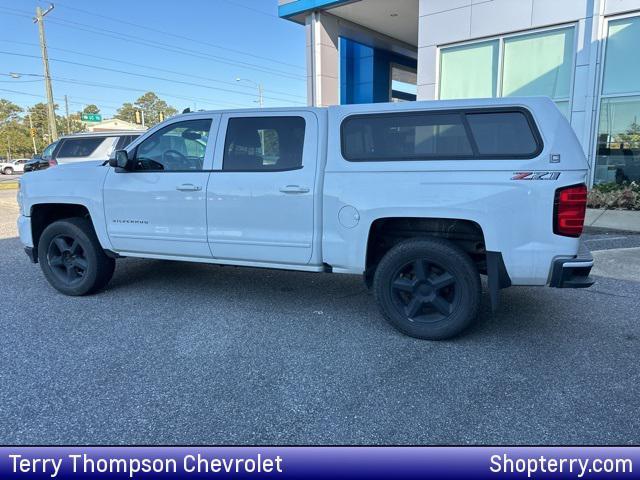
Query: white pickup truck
(420, 198)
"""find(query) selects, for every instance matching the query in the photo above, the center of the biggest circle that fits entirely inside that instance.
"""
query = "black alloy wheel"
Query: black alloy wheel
(67, 259)
(72, 258)
(428, 288)
(424, 291)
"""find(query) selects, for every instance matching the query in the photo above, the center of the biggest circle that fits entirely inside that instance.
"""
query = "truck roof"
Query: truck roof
(529, 102)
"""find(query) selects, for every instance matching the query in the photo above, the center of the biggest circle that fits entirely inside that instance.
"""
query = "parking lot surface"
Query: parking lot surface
(200, 354)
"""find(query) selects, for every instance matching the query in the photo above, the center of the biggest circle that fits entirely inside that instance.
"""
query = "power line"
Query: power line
(102, 104)
(247, 7)
(73, 81)
(190, 75)
(172, 48)
(162, 46)
(56, 99)
(142, 75)
(189, 39)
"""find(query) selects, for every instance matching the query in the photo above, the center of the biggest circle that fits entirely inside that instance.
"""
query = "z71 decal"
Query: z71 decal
(535, 176)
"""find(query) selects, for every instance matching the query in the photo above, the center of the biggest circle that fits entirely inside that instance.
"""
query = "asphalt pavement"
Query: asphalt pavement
(180, 353)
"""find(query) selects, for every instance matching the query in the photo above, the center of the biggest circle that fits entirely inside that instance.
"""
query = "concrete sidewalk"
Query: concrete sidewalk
(624, 220)
(619, 263)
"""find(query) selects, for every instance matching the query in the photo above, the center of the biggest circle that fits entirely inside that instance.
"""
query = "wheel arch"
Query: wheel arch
(44, 214)
(386, 232)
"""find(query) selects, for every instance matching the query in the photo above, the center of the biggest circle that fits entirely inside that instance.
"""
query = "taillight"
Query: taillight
(569, 210)
(53, 162)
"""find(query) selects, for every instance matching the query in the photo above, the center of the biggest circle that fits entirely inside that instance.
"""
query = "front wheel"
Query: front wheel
(8, 171)
(72, 259)
(428, 288)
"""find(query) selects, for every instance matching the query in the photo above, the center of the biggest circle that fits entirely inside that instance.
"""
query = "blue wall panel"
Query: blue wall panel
(365, 72)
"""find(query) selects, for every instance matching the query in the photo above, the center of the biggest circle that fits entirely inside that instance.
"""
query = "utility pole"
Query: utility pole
(51, 114)
(33, 137)
(66, 109)
(260, 96)
(260, 89)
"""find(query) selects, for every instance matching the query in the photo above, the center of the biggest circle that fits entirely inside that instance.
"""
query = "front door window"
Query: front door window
(179, 147)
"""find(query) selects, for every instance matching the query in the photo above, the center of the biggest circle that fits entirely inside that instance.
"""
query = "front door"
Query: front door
(260, 204)
(157, 206)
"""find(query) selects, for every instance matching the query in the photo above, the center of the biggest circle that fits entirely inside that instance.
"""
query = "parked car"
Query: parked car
(40, 162)
(419, 198)
(84, 147)
(13, 166)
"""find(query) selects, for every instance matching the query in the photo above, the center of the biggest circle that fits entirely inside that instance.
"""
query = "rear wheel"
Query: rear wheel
(8, 171)
(72, 259)
(428, 288)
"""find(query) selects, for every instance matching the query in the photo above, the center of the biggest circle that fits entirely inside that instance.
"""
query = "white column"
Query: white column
(323, 60)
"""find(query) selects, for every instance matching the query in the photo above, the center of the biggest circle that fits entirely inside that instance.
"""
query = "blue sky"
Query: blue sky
(197, 47)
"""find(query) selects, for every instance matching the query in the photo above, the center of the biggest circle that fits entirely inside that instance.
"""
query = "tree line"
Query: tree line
(16, 139)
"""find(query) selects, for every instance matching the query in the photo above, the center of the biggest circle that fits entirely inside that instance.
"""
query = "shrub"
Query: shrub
(624, 196)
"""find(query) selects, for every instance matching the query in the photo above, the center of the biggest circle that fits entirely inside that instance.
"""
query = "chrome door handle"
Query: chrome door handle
(294, 189)
(188, 187)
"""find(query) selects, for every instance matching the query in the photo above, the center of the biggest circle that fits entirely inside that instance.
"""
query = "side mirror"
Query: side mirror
(120, 160)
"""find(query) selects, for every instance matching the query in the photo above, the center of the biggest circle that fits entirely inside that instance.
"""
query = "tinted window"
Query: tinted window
(502, 134)
(177, 147)
(405, 136)
(264, 143)
(440, 136)
(78, 147)
(124, 141)
(46, 154)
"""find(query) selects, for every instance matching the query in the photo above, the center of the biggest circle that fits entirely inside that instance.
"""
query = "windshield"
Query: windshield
(46, 154)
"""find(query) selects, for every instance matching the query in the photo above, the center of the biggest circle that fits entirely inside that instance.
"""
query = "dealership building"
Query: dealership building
(584, 54)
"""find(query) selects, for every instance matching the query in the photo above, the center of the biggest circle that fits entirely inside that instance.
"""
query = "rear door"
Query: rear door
(260, 199)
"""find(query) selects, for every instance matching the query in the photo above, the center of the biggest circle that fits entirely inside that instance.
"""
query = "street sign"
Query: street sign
(91, 117)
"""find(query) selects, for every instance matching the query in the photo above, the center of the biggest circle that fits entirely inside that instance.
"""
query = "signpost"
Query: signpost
(91, 117)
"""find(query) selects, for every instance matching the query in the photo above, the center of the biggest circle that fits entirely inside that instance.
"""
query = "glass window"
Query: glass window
(405, 137)
(264, 143)
(502, 134)
(125, 140)
(618, 155)
(177, 147)
(79, 147)
(469, 71)
(622, 62)
(538, 64)
(46, 154)
(535, 64)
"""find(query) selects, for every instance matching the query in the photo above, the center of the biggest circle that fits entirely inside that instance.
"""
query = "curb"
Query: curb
(8, 185)
(621, 220)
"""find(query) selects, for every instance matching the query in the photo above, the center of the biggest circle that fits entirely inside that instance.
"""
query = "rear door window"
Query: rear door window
(258, 144)
(78, 147)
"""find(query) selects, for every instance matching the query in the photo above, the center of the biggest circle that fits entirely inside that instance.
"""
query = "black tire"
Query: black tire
(72, 259)
(8, 171)
(428, 288)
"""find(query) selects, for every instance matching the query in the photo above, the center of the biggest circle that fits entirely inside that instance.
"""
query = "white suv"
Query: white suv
(13, 166)
(91, 146)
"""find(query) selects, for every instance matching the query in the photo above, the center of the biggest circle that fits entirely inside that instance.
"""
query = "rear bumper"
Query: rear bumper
(573, 272)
